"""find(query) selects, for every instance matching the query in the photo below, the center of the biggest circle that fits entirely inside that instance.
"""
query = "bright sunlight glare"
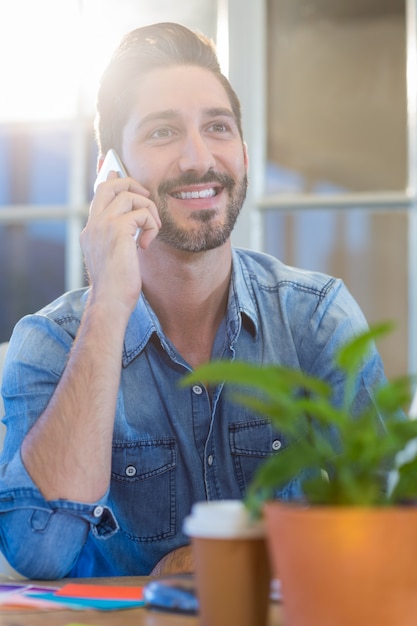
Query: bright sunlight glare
(38, 48)
(51, 62)
(53, 52)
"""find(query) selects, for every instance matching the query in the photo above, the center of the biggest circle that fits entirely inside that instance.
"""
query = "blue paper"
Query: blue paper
(84, 603)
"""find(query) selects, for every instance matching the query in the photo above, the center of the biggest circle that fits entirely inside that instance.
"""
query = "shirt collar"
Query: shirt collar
(142, 324)
(241, 309)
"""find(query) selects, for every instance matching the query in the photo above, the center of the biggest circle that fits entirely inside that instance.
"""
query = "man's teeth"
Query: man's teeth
(189, 195)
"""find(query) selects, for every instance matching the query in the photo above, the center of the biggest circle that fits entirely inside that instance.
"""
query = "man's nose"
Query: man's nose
(196, 154)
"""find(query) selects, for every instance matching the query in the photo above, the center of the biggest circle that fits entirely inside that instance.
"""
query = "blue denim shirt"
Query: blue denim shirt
(172, 446)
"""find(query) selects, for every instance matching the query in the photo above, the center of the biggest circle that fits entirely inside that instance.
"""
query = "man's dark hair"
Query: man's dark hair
(144, 49)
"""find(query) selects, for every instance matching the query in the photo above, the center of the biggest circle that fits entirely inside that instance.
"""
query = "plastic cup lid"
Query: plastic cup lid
(222, 519)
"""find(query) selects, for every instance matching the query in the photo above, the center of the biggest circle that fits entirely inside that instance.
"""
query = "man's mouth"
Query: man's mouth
(192, 187)
(191, 195)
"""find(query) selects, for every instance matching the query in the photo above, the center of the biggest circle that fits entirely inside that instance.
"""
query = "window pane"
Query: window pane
(336, 95)
(32, 260)
(36, 164)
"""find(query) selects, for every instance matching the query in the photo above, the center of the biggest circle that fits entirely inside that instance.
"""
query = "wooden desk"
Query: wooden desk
(128, 617)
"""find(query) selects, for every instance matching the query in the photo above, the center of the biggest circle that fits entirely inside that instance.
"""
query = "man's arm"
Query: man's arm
(176, 562)
(68, 450)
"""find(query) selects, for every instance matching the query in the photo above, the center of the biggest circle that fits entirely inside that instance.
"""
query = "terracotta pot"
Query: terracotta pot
(345, 566)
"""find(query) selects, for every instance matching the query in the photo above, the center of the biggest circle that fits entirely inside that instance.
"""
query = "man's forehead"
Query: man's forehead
(170, 90)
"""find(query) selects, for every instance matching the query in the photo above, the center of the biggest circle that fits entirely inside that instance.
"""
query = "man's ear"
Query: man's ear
(99, 162)
(246, 156)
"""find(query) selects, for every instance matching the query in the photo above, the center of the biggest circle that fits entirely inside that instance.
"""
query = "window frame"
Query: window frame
(247, 54)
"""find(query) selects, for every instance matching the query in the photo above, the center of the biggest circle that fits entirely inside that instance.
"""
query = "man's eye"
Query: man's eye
(161, 133)
(219, 127)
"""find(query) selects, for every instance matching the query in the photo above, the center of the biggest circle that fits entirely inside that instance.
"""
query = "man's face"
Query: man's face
(181, 141)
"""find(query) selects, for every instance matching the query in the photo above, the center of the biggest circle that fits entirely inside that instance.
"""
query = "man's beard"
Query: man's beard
(207, 235)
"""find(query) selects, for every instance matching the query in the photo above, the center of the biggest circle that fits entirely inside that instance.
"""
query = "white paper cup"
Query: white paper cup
(231, 562)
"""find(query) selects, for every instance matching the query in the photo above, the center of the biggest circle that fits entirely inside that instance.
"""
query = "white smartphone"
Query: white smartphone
(111, 163)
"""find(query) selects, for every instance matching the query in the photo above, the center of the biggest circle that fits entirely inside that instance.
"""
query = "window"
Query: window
(335, 169)
(47, 152)
(337, 121)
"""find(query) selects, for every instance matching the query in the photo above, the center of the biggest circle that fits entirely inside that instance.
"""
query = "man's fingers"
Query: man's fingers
(147, 227)
(115, 185)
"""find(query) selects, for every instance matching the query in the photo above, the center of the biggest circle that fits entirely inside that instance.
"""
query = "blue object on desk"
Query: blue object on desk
(175, 593)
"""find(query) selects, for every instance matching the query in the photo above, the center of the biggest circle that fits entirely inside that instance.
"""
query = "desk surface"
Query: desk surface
(128, 617)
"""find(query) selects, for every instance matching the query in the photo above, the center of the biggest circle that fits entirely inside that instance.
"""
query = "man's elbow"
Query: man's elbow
(41, 552)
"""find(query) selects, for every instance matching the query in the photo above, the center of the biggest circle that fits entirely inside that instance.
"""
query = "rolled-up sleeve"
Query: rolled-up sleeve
(42, 539)
(39, 538)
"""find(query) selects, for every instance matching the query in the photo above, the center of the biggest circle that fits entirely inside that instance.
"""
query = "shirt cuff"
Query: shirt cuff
(18, 491)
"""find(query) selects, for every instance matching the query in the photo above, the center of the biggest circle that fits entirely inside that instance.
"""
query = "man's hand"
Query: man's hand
(120, 207)
(179, 561)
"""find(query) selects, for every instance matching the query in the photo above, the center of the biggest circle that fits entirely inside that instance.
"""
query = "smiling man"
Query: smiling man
(105, 454)
(200, 194)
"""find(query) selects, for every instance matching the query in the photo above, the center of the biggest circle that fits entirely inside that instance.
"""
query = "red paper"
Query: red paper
(101, 592)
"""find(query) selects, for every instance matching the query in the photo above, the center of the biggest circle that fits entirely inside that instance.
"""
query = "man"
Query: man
(105, 453)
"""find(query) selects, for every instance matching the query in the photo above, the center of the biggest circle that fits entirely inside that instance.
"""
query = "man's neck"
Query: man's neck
(188, 293)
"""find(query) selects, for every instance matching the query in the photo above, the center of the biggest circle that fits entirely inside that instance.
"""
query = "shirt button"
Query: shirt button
(276, 444)
(210, 459)
(98, 511)
(130, 470)
(197, 390)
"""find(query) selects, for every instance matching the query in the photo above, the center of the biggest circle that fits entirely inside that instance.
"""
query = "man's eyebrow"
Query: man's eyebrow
(172, 114)
(219, 112)
(167, 114)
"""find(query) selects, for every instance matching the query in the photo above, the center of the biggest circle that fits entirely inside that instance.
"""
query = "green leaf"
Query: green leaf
(349, 357)
(406, 487)
(361, 449)
(271, 379)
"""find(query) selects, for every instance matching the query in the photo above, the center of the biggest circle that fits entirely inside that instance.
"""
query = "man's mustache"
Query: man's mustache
(190, 178)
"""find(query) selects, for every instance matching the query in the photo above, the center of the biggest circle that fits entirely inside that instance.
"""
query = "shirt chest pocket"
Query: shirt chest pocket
(143, 488)
(250, 444)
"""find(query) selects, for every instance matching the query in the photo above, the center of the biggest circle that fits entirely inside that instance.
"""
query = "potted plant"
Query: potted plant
(347, 554)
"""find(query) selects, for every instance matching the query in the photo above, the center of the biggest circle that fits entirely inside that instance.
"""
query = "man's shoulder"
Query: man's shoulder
(69, 305)
(271, 272)
(61, 317)
(45, 337)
